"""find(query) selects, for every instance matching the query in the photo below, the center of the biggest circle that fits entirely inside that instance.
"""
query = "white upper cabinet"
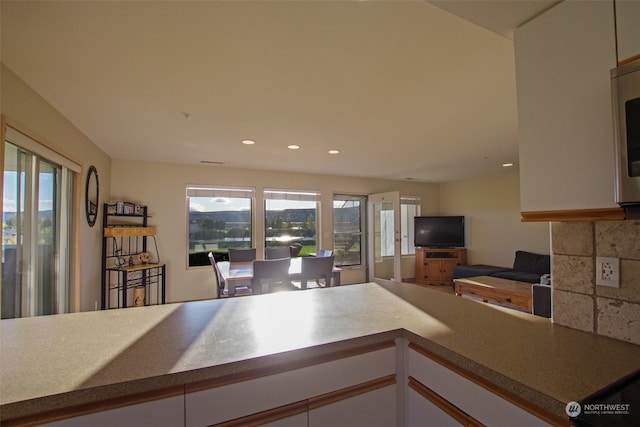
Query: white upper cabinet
(628, 28)
(563, 63)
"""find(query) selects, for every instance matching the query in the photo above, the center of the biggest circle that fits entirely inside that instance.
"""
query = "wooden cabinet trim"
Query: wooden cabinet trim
(268, 416)
(442, 403)
(605, 214)
(504, 394)
(349, 392)
(628, 60)
(285, 367)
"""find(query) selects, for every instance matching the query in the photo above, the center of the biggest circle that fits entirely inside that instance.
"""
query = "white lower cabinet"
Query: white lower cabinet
(374, 408)
(167, 412)
(461, 398)
(322, 382)
(422, 412)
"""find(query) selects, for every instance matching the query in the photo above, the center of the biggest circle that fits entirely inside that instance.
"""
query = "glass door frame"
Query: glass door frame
(62, 255)
(392, 197)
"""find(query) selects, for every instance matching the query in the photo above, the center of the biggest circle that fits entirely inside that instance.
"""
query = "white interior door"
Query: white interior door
(384, 236)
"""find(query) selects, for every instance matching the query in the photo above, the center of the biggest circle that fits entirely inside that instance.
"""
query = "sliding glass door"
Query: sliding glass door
(36, 223)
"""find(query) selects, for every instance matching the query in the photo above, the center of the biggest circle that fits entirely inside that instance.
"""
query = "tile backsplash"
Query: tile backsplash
(577, 301)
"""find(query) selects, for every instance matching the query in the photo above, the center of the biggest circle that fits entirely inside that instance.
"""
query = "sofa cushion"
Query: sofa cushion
(528, 262)
(462, 271)
(520, 276)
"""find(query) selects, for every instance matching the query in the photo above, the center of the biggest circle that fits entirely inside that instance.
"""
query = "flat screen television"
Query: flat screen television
(439, 231)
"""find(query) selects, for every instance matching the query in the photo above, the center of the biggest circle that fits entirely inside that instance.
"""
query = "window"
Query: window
(219, 219)
(291, 217)
(409, 208)
(348, 223)
(36, 228)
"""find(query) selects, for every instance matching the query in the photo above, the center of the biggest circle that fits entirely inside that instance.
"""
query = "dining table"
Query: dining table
(242, 271)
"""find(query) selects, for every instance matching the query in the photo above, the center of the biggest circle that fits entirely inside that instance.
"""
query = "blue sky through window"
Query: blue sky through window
(10, 198)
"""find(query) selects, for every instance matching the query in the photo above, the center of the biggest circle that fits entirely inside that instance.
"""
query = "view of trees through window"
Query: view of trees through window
(218, 220)
(291, 217)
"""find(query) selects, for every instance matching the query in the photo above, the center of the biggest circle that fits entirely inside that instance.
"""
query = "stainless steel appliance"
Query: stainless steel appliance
(625, 86)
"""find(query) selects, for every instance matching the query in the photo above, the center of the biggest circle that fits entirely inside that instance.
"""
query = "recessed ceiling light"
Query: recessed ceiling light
(248, 141)
(334, 151)
(293, 147)
(507, 165)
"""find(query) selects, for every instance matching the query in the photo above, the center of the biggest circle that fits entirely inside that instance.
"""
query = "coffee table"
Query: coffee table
(507, 292)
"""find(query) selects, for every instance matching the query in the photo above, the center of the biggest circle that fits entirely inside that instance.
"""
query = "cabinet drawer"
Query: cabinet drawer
(375, 408)
(425, 412)
(162, 412)
(470, 397)
(206, 406)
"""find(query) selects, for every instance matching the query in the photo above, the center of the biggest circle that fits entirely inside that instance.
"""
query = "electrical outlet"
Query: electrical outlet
(608, 271)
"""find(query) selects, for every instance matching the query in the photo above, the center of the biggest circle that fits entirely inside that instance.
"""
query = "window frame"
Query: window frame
(363, 199)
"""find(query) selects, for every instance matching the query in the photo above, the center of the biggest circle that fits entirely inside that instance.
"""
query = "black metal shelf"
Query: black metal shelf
(126, 264)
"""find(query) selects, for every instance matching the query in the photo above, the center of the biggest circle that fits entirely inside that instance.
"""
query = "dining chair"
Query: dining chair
(295, 249)
(269, 272)
(232, 286)
(324, 253)
(219, 278)
(239, 255)
(277, 252)
(317, 269)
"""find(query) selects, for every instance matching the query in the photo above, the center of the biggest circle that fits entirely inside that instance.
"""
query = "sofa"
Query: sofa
(527, 267)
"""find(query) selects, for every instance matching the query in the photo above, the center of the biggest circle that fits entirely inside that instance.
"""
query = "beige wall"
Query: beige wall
(162, 187)
(494, 231)
(22, 105)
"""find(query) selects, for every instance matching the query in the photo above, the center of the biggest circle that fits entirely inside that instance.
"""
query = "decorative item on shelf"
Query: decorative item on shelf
(119, 259)
(144, 257)
(125, 208)
(138, 296)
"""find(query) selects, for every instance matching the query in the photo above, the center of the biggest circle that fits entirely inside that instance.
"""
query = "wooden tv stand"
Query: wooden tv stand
(434, 266)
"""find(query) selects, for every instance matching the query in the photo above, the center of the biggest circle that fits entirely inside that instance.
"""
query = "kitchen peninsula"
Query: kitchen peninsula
(53, 366)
